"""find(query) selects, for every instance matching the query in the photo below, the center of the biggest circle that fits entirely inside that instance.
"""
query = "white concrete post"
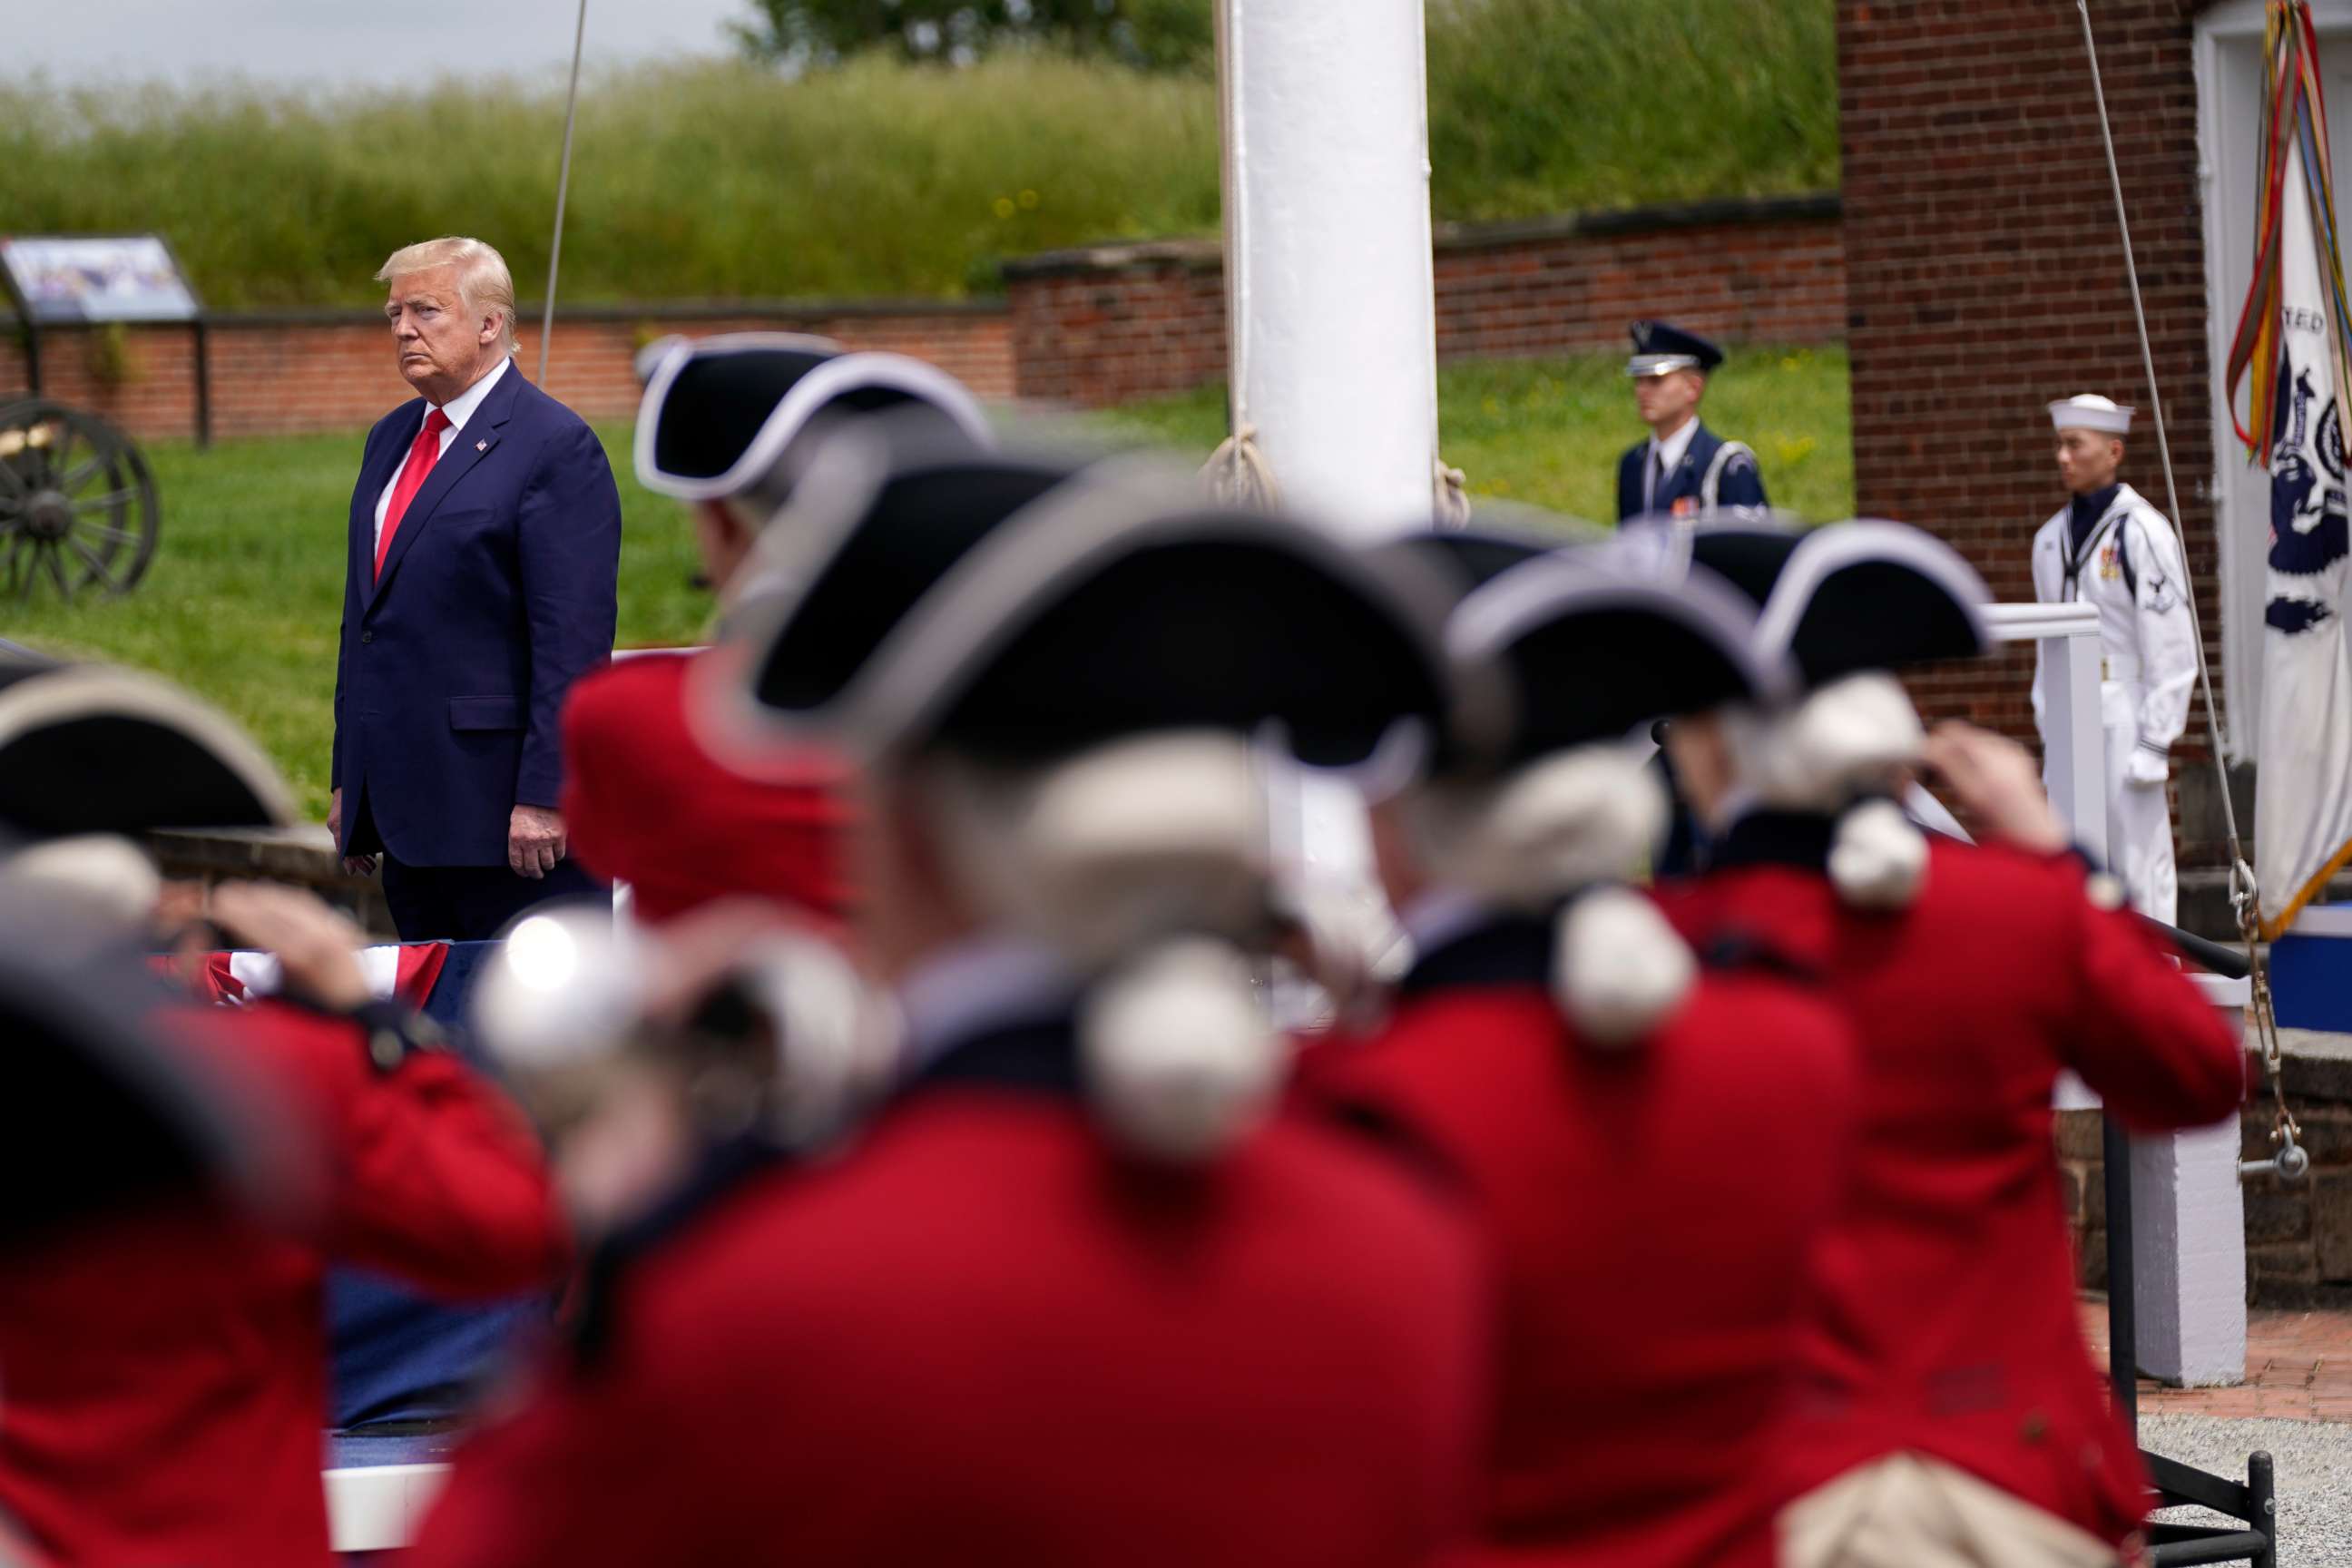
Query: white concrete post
(2076, 772)
(2189, 1254)
(1332, 314)
(2188, 1259)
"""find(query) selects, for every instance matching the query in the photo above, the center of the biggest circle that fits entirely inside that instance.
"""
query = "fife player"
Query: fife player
(1648, 1142)
(1949, 1411)
(728, 425)
(1079, 1293)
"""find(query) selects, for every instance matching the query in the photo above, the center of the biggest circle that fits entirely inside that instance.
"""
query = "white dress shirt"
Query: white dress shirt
(457, 410)
(1668, 452)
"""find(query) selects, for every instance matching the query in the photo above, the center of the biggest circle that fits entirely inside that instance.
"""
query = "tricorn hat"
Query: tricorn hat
(1851, 596)
(1021, 608)
(720, 413)
(88, 748)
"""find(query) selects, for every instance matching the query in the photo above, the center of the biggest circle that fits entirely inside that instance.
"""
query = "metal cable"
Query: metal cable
(563, 186)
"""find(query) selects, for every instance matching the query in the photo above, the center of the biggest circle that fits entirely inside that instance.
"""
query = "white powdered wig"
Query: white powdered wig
(1879, 858)
(1179, 1060)
(1103, 853)
(1618, 969)
(1564, 822)
(1138, 861)
(483, 281)
(1847, 738)
(100, 876)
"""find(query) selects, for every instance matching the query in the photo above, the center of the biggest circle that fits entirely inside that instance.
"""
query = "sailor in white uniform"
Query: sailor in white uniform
(2108, 547)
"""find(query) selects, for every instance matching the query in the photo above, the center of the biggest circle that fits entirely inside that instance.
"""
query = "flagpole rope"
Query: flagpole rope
(563, 186)
(2243, 895)
(2163, 446)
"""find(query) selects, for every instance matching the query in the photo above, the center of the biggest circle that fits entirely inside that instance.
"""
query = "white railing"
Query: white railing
(2188, 1263)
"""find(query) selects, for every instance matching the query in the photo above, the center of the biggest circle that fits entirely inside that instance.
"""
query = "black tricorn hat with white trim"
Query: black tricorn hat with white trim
(1851, 596)
(1591, 653)
(88, 748)
(1020, 609)
(722, 413)
(1470, 557)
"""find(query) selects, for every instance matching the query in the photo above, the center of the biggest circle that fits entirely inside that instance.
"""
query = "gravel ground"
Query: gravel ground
(2313, 1461)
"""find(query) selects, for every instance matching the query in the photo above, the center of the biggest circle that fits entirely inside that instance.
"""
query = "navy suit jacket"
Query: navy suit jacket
(1740, 484)
(498, 591)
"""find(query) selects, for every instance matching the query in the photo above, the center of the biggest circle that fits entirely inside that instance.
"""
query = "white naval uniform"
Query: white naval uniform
(2148, 645)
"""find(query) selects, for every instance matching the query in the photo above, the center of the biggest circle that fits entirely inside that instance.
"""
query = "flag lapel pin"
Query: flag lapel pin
(481, 446)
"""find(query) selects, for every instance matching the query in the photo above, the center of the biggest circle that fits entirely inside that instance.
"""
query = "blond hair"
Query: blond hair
(483, 281)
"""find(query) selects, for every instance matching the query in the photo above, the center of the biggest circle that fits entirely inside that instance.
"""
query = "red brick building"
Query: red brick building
(1985, 276)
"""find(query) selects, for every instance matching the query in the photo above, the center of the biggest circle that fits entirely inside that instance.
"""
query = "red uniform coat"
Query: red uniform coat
(1649, 1205)
(166, 1373)
(983, 1340)
(645, 803)
(1944, 1318)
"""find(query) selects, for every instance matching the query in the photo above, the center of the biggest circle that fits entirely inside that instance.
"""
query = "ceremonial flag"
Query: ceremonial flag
(2291, 348)
(403, 971)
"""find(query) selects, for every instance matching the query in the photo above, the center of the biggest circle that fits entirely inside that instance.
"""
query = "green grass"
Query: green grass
(1549, 432)
(245, 594)
(1542, 106)
(882, 178)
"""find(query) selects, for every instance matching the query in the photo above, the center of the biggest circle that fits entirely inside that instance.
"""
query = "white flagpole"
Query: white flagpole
(563, 184)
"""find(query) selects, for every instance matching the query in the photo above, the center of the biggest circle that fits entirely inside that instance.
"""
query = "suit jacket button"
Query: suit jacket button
(367, 637)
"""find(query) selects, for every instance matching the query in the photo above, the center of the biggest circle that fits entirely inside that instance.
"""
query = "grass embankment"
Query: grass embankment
(244, 595)
(882, 178)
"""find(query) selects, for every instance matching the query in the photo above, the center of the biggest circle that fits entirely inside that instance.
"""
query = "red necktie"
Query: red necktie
(421, 455)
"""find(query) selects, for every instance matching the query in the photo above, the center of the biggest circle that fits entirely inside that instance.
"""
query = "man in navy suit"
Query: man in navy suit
(485, 553)
(1683, 467)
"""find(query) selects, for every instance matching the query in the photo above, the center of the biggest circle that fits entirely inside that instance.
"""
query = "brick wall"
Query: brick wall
(2298, 1234)
(277, 375)
(1090, 328)
(1985, 276)
(1101, 326)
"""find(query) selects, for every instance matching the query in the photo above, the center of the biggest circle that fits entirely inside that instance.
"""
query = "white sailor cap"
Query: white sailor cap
(2089, 411)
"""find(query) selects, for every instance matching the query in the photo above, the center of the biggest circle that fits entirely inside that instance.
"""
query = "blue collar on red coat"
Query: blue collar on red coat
(1508, 950)
(1040, 1056)
(1798, 838)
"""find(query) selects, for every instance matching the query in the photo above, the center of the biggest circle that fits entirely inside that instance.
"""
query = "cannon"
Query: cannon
(77, 506)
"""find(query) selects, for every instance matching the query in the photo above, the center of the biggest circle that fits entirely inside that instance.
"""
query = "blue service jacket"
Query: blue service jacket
(1740, 484)
(498, 591)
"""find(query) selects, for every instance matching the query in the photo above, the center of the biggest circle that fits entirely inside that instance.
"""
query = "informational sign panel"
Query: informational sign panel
(59, 279)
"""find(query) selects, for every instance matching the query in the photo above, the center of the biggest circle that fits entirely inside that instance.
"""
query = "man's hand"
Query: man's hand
(1993, 782)
(317, 948)
(534, 840)
(357, 865)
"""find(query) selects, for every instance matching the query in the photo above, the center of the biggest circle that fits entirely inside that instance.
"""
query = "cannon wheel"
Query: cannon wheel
(77, 506)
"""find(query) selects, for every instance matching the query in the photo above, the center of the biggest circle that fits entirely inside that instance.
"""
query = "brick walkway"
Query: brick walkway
(2298, 1365)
